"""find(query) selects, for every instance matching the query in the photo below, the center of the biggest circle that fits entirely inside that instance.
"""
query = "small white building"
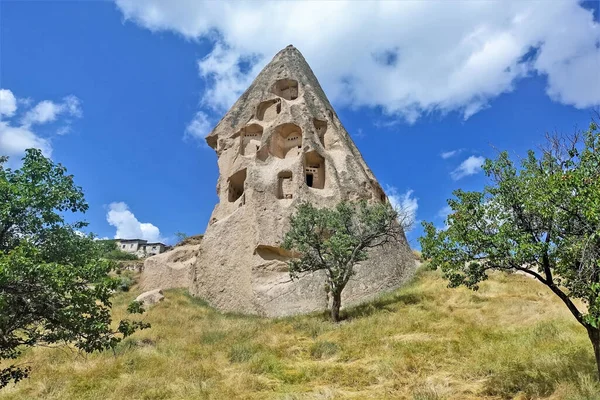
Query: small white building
(141, 248)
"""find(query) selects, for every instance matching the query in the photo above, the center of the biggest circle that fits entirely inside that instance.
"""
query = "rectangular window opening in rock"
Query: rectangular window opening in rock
(309, 179)
(284, 185)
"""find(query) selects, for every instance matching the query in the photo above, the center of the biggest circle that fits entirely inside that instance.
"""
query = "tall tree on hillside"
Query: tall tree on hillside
(335, 240)
(54, 284)
(542, 219)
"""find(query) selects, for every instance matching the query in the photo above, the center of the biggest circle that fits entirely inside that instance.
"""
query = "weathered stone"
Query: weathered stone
(151, 297)
(171, 269)
(280, 144)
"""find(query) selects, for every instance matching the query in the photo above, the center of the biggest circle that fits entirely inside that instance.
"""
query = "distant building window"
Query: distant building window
(153, 247)
(123, 246)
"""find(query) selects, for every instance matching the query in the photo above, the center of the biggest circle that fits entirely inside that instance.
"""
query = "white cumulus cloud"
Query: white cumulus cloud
(14, 141)
(199, 126)
(8, 103)
(406, 57)
(470, 166)
(16, 137)
(47, 111)
(405, 203)
(128, 226)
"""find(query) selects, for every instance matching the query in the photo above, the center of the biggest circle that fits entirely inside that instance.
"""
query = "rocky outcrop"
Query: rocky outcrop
(281, 144)
(171, 269)
(150, 298)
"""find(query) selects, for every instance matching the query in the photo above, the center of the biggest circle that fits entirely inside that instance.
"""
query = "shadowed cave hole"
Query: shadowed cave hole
(236, 185)
(314, 170)
(321, 128)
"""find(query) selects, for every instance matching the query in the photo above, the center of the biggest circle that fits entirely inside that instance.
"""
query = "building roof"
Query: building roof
(131, 240)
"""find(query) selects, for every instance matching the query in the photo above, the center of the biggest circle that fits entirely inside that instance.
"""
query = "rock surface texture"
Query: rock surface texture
(280, 144)
(151, 297)
(171, 269)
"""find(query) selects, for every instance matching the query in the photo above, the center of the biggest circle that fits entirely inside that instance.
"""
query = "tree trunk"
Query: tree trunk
(594, 334)
(335, 306)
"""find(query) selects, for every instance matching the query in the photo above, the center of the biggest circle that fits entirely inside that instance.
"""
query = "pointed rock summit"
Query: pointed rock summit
(280, 144)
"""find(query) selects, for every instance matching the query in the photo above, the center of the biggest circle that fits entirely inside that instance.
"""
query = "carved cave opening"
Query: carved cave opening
(236, 185)
(314, 170)
(250, 139)
(268, 110)
(285, 185)
(286, 141)
(321, 128)
(286, 88)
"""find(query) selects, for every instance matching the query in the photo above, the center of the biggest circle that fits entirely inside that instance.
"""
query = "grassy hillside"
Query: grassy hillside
(512, 339)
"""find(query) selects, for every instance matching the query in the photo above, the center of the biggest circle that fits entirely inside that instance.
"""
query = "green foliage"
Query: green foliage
(125, 281)
(181, 236)
(542, 219)
(110, 251)
(335, 240)
(55, 287)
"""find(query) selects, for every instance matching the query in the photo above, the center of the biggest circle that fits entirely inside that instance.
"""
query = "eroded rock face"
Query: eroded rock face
(171, 269)
(280, 144)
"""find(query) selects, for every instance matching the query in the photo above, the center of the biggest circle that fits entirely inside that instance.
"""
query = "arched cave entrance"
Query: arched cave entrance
(286, 141)
(268, 110)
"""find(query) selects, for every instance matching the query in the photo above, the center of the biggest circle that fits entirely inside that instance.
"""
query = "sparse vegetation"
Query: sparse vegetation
(511, 339)
(181, 236)
(541, 219)
(190, 240)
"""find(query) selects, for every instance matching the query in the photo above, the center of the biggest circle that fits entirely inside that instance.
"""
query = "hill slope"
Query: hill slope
(510, 339)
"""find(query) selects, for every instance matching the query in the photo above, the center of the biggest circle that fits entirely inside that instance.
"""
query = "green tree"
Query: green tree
(55, 286)
(110, 251)
(181, 236)
(335, 240)
(542, 219)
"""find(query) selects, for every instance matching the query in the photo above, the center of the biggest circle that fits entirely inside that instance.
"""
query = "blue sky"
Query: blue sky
(122, 93)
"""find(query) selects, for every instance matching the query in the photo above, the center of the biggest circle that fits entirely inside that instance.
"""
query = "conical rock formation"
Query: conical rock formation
(280, 144)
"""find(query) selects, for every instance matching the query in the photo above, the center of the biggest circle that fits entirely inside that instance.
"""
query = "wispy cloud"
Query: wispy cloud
(198, 128)
(470, 166)
(47, 111)
(448, 154)
(19, 123)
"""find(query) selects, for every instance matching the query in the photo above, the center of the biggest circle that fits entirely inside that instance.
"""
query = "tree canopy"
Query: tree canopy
(335, 240)
(55, 285)
(541, 219)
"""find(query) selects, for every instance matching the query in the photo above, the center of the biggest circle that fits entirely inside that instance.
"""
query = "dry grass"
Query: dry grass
(512, 339)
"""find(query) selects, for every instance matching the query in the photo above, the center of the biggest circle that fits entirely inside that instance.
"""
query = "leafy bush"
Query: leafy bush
(109, 250)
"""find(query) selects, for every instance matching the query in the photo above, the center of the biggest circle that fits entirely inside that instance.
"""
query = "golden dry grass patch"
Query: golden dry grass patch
(510, 339)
